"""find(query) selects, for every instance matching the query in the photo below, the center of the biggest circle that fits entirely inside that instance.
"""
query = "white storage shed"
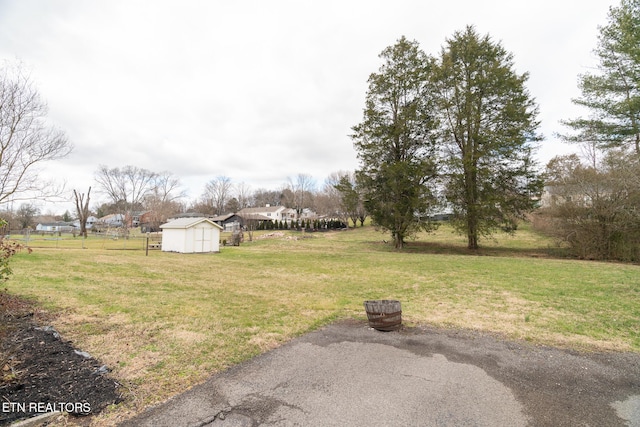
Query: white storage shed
(191, 235)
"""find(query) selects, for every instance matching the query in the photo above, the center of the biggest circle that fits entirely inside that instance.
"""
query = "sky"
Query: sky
(260, 91)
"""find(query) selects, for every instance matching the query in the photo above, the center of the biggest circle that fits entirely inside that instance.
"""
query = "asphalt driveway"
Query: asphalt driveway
(348, 374)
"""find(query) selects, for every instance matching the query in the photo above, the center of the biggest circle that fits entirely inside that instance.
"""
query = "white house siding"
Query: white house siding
(55, 227)
(274, 213)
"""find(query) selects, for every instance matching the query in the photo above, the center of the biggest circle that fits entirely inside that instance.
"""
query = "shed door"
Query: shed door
(203, 240)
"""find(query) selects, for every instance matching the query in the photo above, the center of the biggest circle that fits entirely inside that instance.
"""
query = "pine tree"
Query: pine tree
(489, 124)
(395, 142)
(612, 95)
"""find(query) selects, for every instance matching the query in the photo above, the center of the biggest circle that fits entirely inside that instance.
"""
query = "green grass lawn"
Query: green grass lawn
(166, 321)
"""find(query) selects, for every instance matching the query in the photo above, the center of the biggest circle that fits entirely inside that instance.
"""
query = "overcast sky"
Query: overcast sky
(262, 90)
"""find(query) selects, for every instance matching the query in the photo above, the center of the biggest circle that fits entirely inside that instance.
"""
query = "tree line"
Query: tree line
(136, 189)
(131, 189)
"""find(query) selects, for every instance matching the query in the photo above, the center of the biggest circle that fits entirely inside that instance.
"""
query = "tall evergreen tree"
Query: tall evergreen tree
(394, 142)
(612, 94)
(489, 124)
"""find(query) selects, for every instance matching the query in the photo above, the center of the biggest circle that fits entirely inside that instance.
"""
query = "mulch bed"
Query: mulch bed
(41, 372)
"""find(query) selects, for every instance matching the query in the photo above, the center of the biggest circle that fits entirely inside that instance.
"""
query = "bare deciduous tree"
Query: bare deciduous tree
(127, 186)
(26, 214)
(26, 139)
(250, 223)
(82, 209)
(350, 198)
(263, 197)
(167, 188)
(217, 192)
(163, 199)
(302, 187)
(595, 210)
(243, 195)
(333, 207)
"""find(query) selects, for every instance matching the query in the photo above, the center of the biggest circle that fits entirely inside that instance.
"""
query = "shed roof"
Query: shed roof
(187, 223)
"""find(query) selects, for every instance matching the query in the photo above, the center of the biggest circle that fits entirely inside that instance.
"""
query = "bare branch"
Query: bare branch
(26, 139)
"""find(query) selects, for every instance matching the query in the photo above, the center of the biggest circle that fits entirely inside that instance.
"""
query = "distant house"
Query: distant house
(138, 218)
(55, 227)
(553, 196)
(91, 221)
(229, 222)
(108, 221)
(191, 235)
(307, 214)
(269, 213)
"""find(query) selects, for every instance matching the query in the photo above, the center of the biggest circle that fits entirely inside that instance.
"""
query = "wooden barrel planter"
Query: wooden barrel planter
(384, 315)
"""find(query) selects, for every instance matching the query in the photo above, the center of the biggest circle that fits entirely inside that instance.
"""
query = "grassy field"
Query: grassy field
(166, 321)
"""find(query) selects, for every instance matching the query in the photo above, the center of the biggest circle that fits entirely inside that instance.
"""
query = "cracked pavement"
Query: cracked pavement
(347, 374)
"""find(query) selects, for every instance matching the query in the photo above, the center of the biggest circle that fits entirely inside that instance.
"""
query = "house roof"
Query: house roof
(222, 217)
(254, 216)
(184, 223)
(117, 217)
(189, 215)
(262, 209)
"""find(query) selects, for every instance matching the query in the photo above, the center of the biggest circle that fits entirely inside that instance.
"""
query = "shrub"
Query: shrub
(8, 248)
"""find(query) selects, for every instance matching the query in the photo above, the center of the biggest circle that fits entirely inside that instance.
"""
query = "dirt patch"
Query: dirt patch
(41, 372)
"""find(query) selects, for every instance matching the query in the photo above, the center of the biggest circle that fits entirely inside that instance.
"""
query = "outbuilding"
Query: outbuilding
(191, 235)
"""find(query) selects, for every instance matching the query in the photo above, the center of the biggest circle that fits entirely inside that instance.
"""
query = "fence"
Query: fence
(113, 240)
